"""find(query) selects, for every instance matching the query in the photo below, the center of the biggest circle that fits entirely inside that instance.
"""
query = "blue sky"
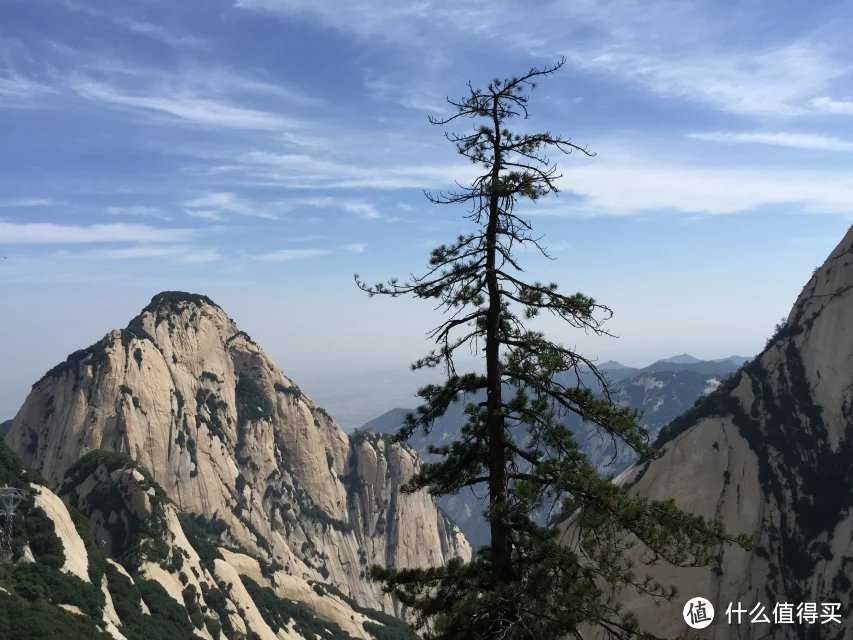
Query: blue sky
(261, 151)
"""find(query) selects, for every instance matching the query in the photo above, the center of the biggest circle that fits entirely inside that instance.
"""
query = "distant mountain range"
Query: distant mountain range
(662, 391)
(617, 371)
(4, 427)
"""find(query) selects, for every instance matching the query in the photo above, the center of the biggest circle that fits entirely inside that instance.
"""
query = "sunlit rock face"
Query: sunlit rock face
(771, 453)
(196, 402)
(139, 557)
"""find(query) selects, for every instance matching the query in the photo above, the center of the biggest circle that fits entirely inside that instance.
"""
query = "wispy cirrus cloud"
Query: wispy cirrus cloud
(823, 104)
(362, 209)
(138, 211)
(27, 203)
(206, 95)
(182, 253)
(37, 233)
(216, 205)
(188, 108)
(424, 96)
(658, 186)
(217, 80)
(405, 21)
(777, 80)
(682, 50)
(813, 141)
(160, 33)
(306, 171)
(206, 214)
(104, 265)
(18, 90)
(211, 79)
(290, 255)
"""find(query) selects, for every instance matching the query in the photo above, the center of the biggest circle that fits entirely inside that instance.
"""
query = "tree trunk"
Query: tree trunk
(501, 542)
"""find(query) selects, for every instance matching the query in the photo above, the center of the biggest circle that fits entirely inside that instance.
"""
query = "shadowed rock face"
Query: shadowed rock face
(771, 453)
(196, 402)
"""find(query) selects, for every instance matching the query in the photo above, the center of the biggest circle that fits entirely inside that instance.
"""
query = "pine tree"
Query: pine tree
(530, 582)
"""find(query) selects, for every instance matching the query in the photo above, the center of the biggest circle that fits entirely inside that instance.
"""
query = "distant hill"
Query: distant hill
(704, 367)
(662, 391)
(612, 364)
(684, 358)
(389, 421)
(616, 371)
(4, 428)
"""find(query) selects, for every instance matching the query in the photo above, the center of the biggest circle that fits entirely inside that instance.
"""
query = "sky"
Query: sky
(263, 151)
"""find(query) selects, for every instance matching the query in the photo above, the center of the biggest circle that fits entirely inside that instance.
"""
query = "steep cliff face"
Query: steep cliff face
(110, 556)
(771, 453)
(196, 402)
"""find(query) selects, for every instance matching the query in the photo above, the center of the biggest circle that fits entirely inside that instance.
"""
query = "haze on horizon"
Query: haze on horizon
(262, 151)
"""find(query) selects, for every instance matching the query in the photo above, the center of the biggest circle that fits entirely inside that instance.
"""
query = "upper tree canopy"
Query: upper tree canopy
(529, 582)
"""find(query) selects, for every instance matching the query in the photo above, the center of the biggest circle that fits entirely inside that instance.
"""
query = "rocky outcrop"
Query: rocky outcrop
(138, 573)
(76, 557)
(199, 405)
(771, 454)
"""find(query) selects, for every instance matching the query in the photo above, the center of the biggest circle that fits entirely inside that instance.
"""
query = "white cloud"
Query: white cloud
(215, 199)
(180, 253)
(211, 205)
(779, 138)
(836, 107)
(137, 210)
(205, 80)
(355, 247)
(304, 171)
(362, 210)
(188, 108)
(365, 18)
(50, 233)
(424, 96)
(220, 81)
(17, 90)
(209, 96)
(359, 208)
(684, 50)
(778, 80)
(140, 27)
(205, 214)
(28, 202)
(646, 186)
(289, 255)
(160, 33)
